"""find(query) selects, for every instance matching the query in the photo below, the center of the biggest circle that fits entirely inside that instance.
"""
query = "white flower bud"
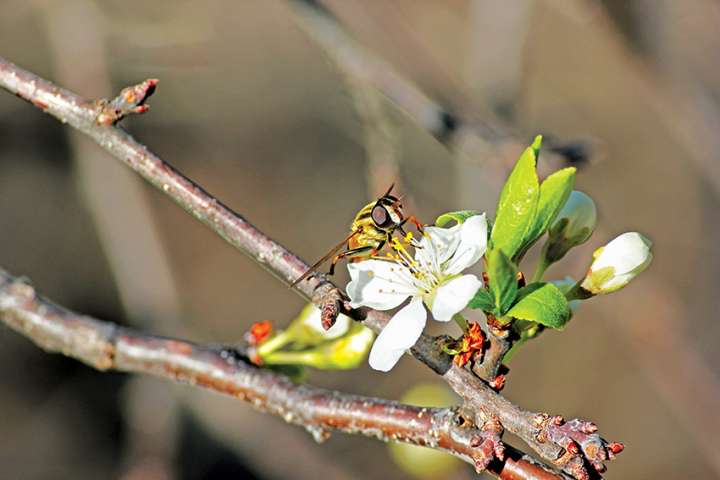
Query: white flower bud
(573, 226)
(617, 263)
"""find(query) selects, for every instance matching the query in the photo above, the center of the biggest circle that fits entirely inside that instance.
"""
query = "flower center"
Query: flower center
(424, 276)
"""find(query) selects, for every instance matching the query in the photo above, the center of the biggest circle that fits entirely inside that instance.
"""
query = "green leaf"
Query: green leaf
(502, 281)
(518, 203)
(554, 192)
(543, 303)
(483, 300)
(459, 217)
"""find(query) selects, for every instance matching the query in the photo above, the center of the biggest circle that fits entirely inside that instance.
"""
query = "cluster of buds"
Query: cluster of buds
(470, 346)
(306, 342)
(613, 266)
(130, 100)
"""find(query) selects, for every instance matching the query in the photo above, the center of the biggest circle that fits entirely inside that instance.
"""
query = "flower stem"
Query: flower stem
(291, 358)
(577, 293)
(275, 343)
(542, 265)
(460, 320)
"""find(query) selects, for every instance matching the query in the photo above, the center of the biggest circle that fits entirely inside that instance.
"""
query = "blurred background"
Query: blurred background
(255, 109)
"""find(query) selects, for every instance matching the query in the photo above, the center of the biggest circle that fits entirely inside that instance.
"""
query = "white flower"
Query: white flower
(432, 277)
(617, 263)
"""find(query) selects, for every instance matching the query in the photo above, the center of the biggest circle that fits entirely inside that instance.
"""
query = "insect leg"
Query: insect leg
(348, 253)
(416, 222)
(413, 242)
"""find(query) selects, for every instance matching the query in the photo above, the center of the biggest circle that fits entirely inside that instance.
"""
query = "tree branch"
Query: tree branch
(482, 401)
(106, 346)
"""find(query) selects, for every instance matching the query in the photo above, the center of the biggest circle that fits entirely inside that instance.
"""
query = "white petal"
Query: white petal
(437, 245)
(378, 284)
(454, 296)
(473, 242)
(625, 253)
(401, 333)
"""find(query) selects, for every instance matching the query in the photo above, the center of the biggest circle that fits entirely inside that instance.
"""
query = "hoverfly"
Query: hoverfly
(372, 228)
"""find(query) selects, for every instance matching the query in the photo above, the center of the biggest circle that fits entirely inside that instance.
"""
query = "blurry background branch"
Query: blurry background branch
(226, 370)
(127, 231)
(486, 141)
(481, 399)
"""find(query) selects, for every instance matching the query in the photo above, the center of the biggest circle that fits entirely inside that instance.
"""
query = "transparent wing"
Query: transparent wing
(325, 258)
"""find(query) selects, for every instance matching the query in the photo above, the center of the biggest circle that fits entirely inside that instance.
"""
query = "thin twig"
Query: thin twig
(237, 231)
(106, 346)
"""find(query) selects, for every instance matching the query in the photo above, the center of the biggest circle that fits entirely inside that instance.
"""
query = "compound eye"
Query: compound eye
(380, 216)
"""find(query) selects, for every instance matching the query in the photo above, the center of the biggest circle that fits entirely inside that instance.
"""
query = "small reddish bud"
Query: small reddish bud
(589, 427)
(471, 345)
(40, 104)
(573, 448)
(462, 358)
(497, 383)
(485, 277)
(616, 447)
(499, 451)
(259, 332)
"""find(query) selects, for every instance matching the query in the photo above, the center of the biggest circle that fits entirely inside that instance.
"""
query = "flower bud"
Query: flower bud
(343, 353)
(617, 263)
(307, 330)
(347, 352)
(572, 226)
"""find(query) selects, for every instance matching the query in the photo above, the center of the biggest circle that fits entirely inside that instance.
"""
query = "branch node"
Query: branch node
(488, 444)
(319, 434)
(580, 444)
(22, 288)
(130, 100)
